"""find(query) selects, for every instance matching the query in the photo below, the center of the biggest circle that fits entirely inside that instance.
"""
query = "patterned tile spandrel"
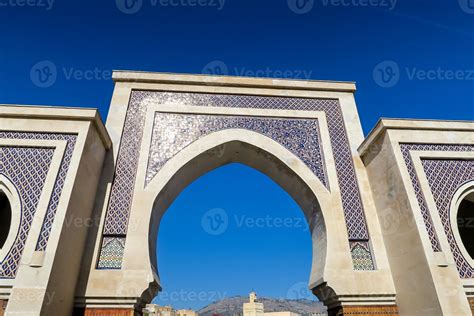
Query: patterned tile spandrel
(118, 209)
(27, 168)
(127, 162)
(173, 132)
(445, 177)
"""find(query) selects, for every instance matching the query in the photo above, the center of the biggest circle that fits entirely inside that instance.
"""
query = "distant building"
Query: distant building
(255, 308)
(186, 312)
(281, 314)
(157, 310)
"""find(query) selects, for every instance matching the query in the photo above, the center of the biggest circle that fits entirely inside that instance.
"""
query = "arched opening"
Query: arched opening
(5, 218)
(232, 231)
(465, 222)
(257, 152)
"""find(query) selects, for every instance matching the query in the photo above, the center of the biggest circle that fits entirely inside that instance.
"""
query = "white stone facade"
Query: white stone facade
(383, 211)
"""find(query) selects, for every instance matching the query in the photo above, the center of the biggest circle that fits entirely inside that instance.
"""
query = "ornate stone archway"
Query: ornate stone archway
(303, 137)
(381, 210)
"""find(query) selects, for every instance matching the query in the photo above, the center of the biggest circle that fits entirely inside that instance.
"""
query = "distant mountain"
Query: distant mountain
(233, 306)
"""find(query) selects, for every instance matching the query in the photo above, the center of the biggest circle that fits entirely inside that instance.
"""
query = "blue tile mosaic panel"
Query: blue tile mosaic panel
(173, 132)
(122, 188)
(111, 253)
(361, 256)
(445, 176)
(27, 168)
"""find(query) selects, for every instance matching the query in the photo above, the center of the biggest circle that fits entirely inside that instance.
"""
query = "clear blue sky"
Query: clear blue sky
(262, 245)
(410, 58)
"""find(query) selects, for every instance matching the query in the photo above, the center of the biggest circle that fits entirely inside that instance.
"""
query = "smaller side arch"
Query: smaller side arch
(464, 192)
(8, 189)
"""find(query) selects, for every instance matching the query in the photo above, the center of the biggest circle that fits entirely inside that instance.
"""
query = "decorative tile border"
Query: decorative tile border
(58, 188)
(27, 168)
(111, 253)
(361, 256)
(173, 132)
(445, 176)
(118, 209)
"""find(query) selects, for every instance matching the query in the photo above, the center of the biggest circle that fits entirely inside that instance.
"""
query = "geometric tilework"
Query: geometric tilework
(27, 168)
(444, 176)
(173, 132)
(406, 148)
(361, 255)
(111, 253)
(56, 194)
(121, 195)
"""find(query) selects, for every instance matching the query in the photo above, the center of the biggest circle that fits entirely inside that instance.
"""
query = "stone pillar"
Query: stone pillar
(369, 310)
